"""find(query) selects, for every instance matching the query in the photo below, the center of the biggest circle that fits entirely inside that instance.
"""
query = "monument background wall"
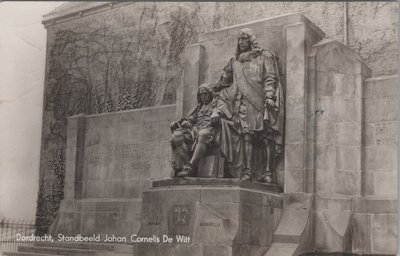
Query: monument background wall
(121, 152)
(111, 159)
(115, 57)
(355, 153)
(375, 215)
(381, 137)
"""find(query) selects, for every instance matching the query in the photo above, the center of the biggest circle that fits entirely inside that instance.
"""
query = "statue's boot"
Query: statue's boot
(266, 178)
(186, 171)
(246, 175)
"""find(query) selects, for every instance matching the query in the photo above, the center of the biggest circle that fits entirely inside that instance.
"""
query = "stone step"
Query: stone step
(291, 226)
(28, 254)
(57, 250)
(282, 249)
(78, 245)
(216, 182)
(297, 200)
(120, 250)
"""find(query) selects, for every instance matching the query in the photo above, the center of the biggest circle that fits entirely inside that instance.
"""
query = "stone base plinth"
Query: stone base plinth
(220, 182)
(101, 216)
(195, 216)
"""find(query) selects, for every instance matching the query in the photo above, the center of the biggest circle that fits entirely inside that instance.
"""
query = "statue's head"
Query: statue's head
(205, 94)
(246, 41)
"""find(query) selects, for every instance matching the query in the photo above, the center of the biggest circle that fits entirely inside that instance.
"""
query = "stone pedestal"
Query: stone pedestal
(211, 166)
(208, 217)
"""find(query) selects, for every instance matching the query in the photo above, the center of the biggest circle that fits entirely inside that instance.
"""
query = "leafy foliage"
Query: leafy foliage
(117, 61)
(49, 203)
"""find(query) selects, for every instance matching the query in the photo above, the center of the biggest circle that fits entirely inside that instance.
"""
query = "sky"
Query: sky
(22, 69)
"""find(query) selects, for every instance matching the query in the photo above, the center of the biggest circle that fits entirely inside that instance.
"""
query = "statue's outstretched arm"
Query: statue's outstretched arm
(226, 78)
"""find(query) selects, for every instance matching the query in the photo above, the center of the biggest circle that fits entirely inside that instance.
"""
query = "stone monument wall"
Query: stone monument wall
(375, 216)
(116, 155)
(354, 144)
(106, 57)
(380, 136)
(111, 159)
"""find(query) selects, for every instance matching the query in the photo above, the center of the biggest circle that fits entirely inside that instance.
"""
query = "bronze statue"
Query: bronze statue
(203, 131)
(250, 85)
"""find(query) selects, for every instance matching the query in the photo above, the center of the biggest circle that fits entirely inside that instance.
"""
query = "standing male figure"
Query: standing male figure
(251, 85)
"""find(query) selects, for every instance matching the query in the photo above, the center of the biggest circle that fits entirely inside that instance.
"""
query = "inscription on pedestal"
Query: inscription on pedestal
(386, 133)
(209, 224)
(125, 162)
(136, 151)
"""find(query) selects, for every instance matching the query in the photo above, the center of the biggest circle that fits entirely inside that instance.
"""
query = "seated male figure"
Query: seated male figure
(194, 136)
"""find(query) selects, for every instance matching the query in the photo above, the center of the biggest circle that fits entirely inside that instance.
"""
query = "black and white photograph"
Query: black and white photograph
(199, 128)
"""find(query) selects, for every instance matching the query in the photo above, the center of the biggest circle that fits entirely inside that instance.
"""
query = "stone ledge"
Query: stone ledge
(161, 107)
(78, 245)
(71, 11)
(380, 78)
(345, 51)
(217, 182)
(282, 249)
(285, 19)
(364, 205)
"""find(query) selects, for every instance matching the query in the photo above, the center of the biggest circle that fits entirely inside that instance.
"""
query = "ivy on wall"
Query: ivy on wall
(50, 202)
(115, 61)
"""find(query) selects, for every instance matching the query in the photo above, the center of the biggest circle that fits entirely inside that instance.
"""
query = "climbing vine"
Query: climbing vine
(116, 61)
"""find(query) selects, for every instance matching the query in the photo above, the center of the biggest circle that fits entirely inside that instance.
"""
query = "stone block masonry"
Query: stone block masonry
(380, 137)
(375, 218)
(111, 159)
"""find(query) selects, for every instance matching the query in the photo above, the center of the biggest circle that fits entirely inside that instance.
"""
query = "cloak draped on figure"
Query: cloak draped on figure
(248, 80)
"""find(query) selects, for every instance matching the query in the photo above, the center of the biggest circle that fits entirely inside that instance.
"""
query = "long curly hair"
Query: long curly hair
(254, 48)
(209, 88)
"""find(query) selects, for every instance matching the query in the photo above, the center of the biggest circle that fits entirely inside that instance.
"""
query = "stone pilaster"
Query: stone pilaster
(338, 75)
(74, 157)
(299, 102)
(192, 78)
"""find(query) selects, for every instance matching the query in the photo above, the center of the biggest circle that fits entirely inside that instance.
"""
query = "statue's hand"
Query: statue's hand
(174, 125)
(269, 103)
(215, 118)
(186, 124)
